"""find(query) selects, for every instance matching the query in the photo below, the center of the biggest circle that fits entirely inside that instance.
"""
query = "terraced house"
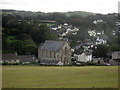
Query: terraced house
(54, 53)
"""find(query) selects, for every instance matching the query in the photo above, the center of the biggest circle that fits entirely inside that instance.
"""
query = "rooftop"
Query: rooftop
(117, 52)
(9, 56)
(27, 58)
(52, 45)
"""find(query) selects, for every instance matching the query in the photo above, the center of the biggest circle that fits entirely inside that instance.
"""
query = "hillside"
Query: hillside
(69, 13)
(24, 37)
(23, 29)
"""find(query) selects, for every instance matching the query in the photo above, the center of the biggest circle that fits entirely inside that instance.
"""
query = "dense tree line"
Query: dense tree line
(23, 37)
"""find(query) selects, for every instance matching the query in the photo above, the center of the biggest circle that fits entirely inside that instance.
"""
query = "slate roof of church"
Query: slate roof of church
(52, 45)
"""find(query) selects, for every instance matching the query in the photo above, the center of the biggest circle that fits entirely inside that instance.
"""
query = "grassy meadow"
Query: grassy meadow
(60, 77)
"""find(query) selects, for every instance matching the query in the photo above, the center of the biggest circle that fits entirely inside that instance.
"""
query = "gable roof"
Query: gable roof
(117, 52)
(78, 51)
(116, 55)
(87, 53)
(9, 56)
(27, 58)
(52, 45)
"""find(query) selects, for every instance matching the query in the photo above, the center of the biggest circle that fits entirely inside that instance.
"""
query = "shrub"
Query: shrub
(89, 64)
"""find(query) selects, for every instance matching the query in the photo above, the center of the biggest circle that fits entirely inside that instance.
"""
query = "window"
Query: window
(54, 55)
(41, 53)
(57, 56)
(50, 54)
(46, 54)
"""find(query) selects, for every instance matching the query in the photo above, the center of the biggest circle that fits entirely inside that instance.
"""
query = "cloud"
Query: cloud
(5, 2)
(97, 6)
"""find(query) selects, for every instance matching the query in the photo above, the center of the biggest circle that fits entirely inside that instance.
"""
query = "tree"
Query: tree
(114, 47)
(30, 49)
(17, 46)
(100, 50)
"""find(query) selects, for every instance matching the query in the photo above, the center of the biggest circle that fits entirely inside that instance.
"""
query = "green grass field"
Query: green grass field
(60, 77)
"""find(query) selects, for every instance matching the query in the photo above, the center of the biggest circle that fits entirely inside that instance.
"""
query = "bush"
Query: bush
(34, 63)
(89, 64)
(6, 63)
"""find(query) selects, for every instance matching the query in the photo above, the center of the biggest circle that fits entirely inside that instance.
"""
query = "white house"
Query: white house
(92, 32)
(116, 55)
(98, 21)
(100, 41)
(83, 57)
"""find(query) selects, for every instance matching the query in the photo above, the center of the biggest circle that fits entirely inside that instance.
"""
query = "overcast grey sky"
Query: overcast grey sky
(96, 6)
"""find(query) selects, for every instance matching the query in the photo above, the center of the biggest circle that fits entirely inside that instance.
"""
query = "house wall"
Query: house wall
(83, 58)
(66, 54)
(115, 56)
(12, 61)
(88, 57)
(101, 41)
(48, 55)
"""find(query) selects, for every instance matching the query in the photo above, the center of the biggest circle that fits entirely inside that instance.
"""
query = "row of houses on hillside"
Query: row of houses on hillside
(86, 46)
(82, 57)
(101, 38)
(63, 30)
(50, 53)
(60, 53)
